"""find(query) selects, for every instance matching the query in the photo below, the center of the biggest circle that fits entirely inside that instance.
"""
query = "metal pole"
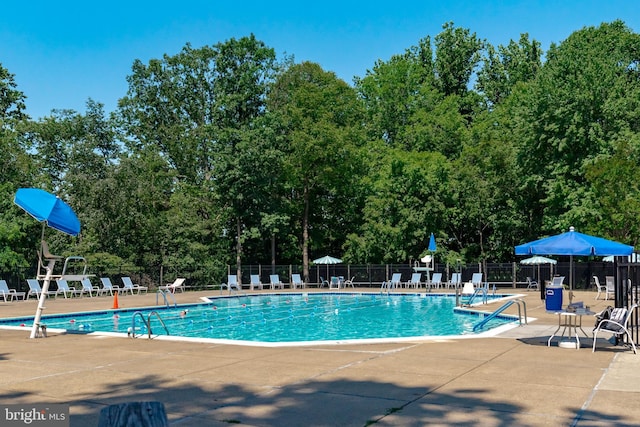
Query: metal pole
(43, 295)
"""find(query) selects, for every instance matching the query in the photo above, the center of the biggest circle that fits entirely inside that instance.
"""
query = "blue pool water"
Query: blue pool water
(288, 318)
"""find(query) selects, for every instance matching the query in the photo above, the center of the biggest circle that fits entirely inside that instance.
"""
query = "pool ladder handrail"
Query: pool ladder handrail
(147, 323)
(484, 290)
(519, 301)
(166, 300)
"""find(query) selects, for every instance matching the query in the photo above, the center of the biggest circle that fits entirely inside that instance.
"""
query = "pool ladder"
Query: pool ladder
(147, 323)
(519, 301)
(166, 300)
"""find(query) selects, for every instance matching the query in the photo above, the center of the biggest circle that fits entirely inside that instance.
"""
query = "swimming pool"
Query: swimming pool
(288, 318)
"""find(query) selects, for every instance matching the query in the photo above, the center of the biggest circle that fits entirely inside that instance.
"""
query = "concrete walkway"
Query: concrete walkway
(513, 379)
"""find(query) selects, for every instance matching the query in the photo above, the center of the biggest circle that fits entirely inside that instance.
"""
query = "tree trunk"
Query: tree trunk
(305, 236)
(238, 251)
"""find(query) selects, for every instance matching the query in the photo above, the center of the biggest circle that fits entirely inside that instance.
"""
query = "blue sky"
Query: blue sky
(62, 53)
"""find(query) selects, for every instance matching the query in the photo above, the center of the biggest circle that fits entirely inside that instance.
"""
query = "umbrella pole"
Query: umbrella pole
(43, 296)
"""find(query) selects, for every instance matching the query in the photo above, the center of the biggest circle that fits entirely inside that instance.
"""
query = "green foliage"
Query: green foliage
(222, 155)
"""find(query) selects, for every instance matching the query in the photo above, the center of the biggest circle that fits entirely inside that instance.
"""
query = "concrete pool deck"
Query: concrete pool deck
(511, 379)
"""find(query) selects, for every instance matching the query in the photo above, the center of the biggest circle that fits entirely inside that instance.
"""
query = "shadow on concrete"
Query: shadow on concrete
(317, 403)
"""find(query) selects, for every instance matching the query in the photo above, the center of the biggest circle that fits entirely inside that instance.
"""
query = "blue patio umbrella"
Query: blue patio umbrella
(432, 243)
(52, 211)
(573, 243)
(48, 208)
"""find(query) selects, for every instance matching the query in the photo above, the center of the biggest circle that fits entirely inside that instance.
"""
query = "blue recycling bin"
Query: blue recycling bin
(553, 300)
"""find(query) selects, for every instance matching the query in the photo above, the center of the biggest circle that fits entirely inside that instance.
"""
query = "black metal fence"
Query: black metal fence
(503, 275)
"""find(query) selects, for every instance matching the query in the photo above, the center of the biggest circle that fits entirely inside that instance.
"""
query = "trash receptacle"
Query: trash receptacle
(553, 300)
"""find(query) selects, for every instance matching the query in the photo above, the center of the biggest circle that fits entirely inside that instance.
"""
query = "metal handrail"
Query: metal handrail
(502, 308)
(166, 300)
(132, 332)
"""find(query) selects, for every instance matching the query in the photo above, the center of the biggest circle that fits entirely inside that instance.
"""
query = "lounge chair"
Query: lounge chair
(436, 280)
(232, 283)
(128, 285)
(610, 287)
(255, 282)
(107, 286)
(616, 325)
(66, 290)
(275, 281)
(532, 284)
(334, 282)
(416, 281)
(456, 279)
(88, 288)
(349, 282)
(476, 279)
(394, 283)
(296, 281)
(177, 284)
(35, 289)
(5, 292)
(324, 282)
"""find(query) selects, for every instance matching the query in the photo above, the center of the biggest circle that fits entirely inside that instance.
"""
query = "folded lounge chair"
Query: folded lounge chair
(7, 293)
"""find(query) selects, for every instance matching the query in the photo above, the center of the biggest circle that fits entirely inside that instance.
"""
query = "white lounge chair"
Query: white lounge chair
(349, 282)
(255, 282)
(416, 281)
(177, 285)
(394, 283)
(35, 289)
(334, 282)
(275, 281)
(532, 284)
(610, 287)
(616, 325)
(476, 279)
(7, 293)
(88, 288)
(324, 282)
(232, 283)
(128, 285)
(436, 280)
(456, 279)
(107, 286)
(296, 281)
(66, 290)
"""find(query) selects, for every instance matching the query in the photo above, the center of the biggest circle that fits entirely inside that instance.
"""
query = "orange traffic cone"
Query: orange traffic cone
(115, 300)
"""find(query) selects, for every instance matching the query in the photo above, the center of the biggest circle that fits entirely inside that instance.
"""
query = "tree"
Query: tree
(408, 200)
(17, 170)
(584, 97)
(320, 117)
(199, 109)
(506, 66)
